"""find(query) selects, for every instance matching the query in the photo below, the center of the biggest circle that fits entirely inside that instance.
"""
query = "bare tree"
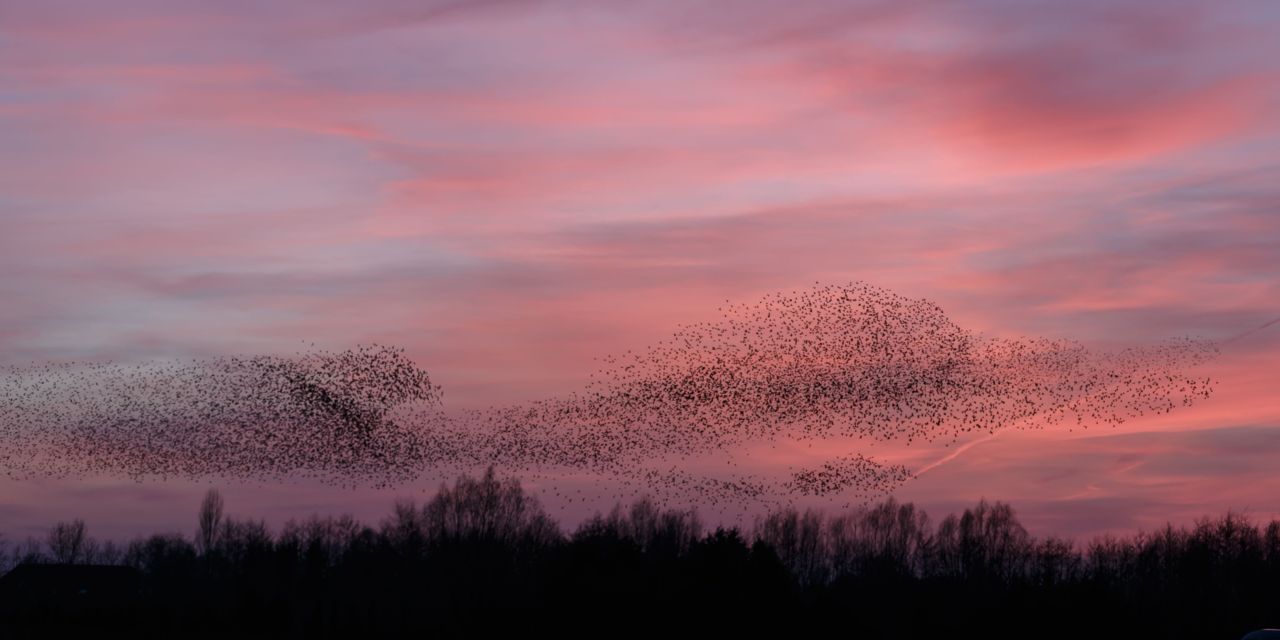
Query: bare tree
(801, 542)
(489, 509)
(29, 552)
(67, 542)
(210, 521)
(322, 541)
(108, 553)
(241, 539)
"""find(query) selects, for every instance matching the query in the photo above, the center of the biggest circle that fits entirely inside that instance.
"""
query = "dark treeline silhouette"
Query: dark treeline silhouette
(482, 556)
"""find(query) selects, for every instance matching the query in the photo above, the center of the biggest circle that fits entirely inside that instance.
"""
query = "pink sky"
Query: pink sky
(510, 189)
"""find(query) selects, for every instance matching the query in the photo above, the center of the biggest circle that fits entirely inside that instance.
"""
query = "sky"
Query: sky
(509, 189)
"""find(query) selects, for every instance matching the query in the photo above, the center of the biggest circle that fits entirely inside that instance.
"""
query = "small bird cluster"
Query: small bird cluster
(825, 362)
(840, 476)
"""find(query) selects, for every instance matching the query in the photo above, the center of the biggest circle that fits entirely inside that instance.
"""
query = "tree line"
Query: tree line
(482, 555)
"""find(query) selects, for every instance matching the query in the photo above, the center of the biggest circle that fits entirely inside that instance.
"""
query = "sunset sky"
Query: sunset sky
(509, 189)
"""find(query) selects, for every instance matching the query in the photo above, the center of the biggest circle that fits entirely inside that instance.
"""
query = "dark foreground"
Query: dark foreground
(481, 558)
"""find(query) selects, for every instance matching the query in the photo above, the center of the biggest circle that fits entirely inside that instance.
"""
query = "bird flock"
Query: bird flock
(826, 363)
(317, 414)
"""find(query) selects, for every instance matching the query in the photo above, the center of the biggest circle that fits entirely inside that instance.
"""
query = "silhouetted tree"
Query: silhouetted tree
(405, 529)
(799, 543)
(209, 521)
(984, 543)
(68, 542)
(237, 539)
(160, 553)
(484, 545)
(487, 509)
(320, 542)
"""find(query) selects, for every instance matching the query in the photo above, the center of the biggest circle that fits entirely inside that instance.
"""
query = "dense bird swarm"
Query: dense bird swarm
(825, 362)
(323, 414)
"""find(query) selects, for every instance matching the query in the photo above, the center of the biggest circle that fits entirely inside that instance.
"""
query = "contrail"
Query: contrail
(954, 454)
(1251, 331)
